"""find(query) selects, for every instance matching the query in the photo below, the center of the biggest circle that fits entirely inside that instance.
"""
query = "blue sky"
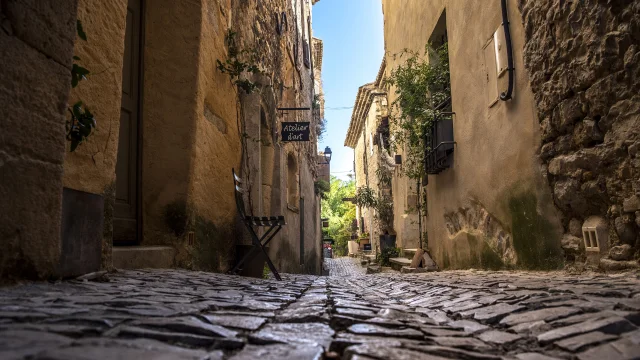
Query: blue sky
(352, 32)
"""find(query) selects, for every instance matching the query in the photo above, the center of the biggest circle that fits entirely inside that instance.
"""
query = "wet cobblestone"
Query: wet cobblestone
(176, 314)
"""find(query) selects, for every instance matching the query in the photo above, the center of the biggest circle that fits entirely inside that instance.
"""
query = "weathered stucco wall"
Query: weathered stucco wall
(36, 49)
(494, 191)
(584, 62)
(91, 168)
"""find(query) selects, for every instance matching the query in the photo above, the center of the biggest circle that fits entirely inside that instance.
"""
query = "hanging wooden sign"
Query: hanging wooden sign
(295, 131)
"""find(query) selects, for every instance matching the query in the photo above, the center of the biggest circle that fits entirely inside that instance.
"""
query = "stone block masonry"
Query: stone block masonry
(36, 46)
(583, 59)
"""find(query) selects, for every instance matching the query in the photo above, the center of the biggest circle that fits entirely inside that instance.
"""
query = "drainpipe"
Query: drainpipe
(504, 96)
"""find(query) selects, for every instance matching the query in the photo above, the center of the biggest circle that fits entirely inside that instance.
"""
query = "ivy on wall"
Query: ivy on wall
(421, 83)
(239, 63)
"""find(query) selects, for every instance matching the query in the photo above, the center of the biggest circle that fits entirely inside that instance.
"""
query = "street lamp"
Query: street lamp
(327, 154)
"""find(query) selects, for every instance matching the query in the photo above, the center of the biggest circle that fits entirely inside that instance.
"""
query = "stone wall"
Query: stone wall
(36, 49)
(583, 58)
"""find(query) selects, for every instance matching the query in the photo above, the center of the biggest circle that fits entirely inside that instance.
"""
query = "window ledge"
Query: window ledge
(293, 208)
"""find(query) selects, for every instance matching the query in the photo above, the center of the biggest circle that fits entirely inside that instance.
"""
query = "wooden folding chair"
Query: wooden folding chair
(274, 223)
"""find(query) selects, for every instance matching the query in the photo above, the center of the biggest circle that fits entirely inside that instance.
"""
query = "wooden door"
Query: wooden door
(126, 210)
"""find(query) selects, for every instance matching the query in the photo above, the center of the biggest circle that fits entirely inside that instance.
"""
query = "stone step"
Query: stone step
(398, 262)
(140, 257)
(409, 253)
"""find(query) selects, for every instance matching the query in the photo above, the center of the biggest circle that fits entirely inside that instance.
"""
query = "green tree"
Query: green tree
(340, 213)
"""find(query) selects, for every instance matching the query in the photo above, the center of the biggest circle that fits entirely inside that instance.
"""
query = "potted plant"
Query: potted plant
(364, 239)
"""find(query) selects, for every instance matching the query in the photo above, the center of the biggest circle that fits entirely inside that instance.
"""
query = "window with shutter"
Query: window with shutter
(305, 54)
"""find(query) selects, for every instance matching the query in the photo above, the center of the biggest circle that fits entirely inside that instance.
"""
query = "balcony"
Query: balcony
(439, 142)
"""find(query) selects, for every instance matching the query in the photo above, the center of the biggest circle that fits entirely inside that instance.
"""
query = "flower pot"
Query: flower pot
(353, 247)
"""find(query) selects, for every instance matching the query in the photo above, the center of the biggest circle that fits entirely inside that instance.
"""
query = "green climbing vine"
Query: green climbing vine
(82, 121)
(421, 83)
(239, 63)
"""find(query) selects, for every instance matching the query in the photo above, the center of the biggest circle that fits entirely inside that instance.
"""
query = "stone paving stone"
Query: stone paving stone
(18, 344)
(576, 343)
(498, 337)
(309, 333)
(243, 322)
(442, 331)
(369, 329)
(492, 314)
(357, 313)
(534, 356)
(548, 314)
(139, 350)
(627, 348)
(439, 317)
(467, 343)
(468, 326)
(533, 328)
(453, 353)
(191, 325)
(175, 337)
(611, 325)
(385, 352)
(280, 352)
(303, 314)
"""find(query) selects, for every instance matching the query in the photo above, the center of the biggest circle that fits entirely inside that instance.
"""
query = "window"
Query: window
(370, 144)
(292, 180)
(439, 137)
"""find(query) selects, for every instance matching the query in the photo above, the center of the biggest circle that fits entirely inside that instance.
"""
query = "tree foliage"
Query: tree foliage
(340, 213)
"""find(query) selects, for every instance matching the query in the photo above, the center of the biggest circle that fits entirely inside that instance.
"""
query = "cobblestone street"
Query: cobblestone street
(176, 314)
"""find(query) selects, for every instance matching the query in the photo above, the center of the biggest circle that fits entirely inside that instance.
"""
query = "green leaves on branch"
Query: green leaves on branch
(239, 63)
(365, 197)
(322, 188)
(421, 83)
(80, 126)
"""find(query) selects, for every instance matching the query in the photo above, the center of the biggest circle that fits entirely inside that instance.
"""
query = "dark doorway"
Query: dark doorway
(127, 209)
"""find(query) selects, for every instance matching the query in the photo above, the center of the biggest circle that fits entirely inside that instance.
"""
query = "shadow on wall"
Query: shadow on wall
(207, 246)
(214, 246)
(285, 252)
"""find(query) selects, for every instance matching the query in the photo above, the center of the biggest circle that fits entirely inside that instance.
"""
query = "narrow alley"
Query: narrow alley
(176, 314)
(319, 179)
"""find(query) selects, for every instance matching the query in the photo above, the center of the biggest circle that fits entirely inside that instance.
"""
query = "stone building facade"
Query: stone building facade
(491, 207)
(152, 185)
(371, 158)
(528, 177)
